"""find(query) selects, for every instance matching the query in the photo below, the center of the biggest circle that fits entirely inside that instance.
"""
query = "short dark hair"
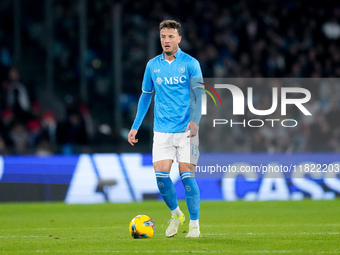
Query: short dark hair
(170, 24)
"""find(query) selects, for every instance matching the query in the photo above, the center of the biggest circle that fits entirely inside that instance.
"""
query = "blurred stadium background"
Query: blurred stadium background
(71, 72)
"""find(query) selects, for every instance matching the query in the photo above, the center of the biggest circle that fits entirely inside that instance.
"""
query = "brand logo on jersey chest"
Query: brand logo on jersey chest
(171, 80)
(159, 80)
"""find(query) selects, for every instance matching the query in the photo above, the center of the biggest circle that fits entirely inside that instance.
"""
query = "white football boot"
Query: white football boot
(174, 223)
(193, 232)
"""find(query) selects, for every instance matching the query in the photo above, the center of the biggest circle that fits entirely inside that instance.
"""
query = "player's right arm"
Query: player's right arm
(132, 137)
(143, 105)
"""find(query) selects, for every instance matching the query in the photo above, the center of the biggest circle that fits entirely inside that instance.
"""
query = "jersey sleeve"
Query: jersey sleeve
(195, 70)
(147, 85)
(143, 106)
(196, 91)
(145, 98)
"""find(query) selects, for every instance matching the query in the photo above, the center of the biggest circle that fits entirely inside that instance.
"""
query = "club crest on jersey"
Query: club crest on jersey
(181, 69)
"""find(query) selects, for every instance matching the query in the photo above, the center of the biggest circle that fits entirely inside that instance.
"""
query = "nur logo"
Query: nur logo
(282, 98)
(239, 100)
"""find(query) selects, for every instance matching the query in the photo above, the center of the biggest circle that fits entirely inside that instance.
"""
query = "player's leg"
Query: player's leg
(165, 184)
(168, 192)
(163, 154)
(192, 197)
(187, 156)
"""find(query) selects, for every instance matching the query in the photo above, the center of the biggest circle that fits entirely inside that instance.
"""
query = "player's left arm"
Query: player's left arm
(195, 75)
(193, 128)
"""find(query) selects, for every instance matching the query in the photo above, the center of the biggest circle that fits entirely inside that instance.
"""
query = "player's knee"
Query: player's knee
(185, 167)
(163, 165)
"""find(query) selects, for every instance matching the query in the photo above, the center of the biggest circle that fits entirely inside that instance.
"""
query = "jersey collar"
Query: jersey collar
(177, 54)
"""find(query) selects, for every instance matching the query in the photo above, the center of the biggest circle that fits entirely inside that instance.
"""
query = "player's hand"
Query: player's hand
(193, 128)
(132, 137)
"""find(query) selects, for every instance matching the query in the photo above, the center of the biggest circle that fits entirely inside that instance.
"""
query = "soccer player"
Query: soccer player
(177, 113)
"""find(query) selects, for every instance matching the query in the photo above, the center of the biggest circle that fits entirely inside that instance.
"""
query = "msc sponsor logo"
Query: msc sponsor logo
(171, 80)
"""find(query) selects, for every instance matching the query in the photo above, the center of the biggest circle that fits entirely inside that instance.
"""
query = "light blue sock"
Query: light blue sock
(192, 194)
(167, 189)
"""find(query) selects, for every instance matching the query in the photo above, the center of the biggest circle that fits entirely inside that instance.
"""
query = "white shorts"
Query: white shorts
(171, 145)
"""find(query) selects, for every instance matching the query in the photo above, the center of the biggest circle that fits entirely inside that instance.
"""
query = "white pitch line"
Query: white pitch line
(193, 251)
(205, 234)
(20, 236)
(272, 233)
(273, 225)
(63, 228)
(329, 252)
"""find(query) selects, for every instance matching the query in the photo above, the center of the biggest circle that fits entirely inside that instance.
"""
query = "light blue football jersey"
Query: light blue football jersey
(171, 83)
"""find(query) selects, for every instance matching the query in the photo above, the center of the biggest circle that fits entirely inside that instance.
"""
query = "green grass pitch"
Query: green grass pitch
(289, 227)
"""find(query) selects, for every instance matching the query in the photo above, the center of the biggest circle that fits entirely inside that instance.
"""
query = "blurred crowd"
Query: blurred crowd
(246, 38)
(26, 128)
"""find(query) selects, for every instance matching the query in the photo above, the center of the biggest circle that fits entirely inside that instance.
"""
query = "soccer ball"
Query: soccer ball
(142, 226)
